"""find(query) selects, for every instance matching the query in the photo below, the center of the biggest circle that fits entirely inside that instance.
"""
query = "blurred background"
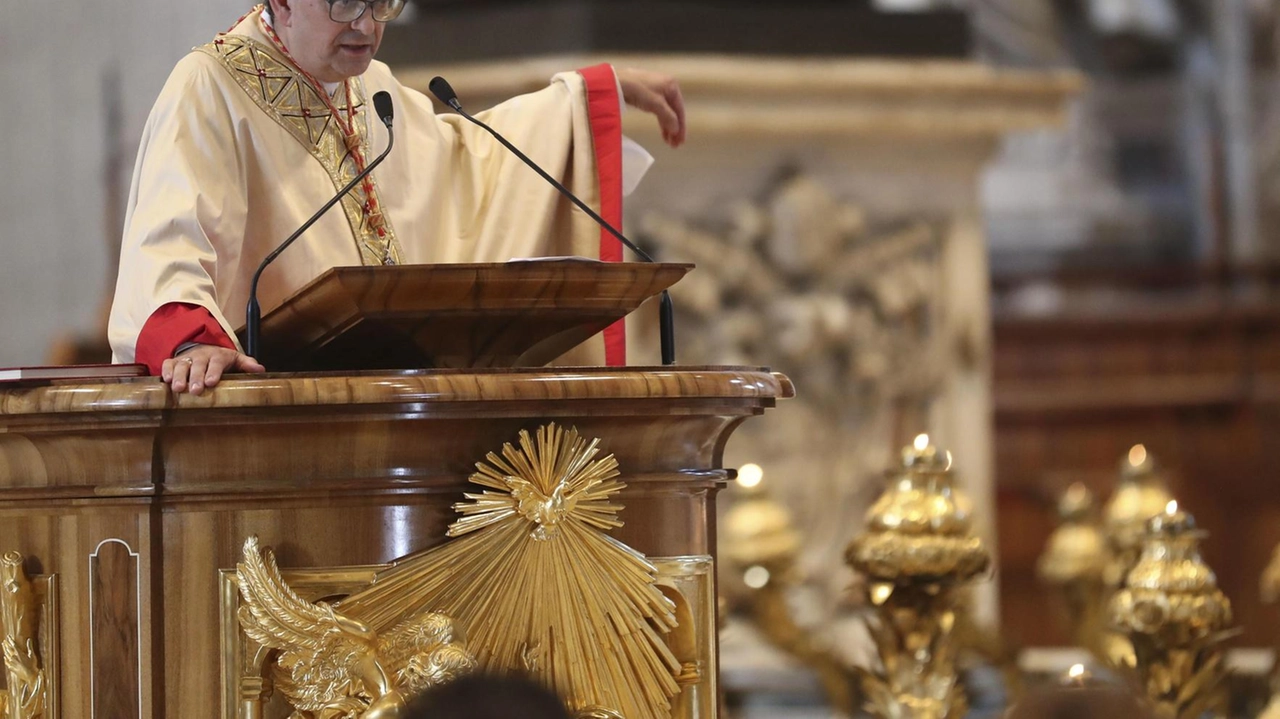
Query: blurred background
(1042, 231)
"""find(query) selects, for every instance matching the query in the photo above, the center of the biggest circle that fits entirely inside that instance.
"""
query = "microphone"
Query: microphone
(666, 311)
(253, 312)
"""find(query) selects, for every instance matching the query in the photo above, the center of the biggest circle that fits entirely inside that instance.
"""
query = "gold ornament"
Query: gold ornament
(1176, 618)
(917, 553)
(539, 584)
(760, 542)
(26, 697)
(333, 666)
(1087, 559)
(1073, 563)
(1270, 586)
(1141, 494)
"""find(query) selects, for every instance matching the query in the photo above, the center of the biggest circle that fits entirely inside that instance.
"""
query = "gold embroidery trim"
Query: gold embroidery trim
(285, 96)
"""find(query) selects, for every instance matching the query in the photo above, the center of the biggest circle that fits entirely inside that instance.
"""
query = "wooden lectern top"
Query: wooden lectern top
(505, 314)
(606, 389)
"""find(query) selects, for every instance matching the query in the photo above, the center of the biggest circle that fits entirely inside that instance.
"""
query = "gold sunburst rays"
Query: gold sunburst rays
(552, 481)
(538, 584)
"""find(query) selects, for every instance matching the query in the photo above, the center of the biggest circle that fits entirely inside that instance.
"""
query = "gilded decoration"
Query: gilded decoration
(531, 576)
(1088, 556)
(760, 542)
(287, 97)
(1270, 586)
(333, 666)
(1177, 619)
(26, 695)
(837, 296)
(1073, 564)
(689, 582)
(917, 554)
(540, 585)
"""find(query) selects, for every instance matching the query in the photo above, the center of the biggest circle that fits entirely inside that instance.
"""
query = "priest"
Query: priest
(256, 130)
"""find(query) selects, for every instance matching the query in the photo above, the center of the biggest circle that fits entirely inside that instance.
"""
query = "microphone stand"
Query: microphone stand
(253, 312)
(666, 310)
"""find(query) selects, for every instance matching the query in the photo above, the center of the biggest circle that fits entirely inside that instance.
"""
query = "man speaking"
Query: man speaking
(256, 130)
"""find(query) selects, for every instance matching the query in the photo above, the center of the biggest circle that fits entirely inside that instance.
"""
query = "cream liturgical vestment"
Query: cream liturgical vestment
(240, 150)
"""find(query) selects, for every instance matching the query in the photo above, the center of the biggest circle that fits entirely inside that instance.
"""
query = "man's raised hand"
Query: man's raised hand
(659, 95)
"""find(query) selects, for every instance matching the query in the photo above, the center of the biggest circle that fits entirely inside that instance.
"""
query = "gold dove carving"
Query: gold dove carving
(330, 665)
(26, 696)
(539, 584)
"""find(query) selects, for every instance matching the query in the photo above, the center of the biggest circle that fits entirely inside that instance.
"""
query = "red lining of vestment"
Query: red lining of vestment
(605, 111)
(175, 324)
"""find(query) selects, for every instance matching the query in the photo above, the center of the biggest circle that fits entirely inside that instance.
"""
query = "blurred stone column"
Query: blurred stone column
(869, 172)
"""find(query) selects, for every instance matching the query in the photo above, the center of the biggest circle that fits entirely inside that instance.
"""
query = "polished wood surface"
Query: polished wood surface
(121, 484)
(509, 314)
(115, 629)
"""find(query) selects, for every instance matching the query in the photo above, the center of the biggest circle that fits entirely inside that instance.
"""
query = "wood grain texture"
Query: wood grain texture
(59, 536)
(330, 470)
(115, 630)
(513, 314)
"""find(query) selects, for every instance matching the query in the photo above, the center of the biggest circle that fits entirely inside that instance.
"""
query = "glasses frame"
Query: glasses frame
(368, 7)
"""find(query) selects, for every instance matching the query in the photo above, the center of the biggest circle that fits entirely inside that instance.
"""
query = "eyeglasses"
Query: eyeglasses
(351, 10)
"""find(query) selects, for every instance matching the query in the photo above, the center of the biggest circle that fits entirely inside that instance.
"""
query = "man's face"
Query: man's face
(329, 50)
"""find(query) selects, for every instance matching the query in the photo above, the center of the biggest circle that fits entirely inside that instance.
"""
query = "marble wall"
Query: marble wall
(78, 79)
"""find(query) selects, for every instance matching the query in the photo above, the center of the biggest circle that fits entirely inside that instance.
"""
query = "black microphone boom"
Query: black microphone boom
(666, 313)
(253, 313)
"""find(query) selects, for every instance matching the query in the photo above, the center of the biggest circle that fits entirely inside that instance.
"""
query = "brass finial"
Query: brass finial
(921, 526)
(1140, 495)
(758, 530)
(1137, 463)
(1174, 614)
(923, 456)
(1076, 504)
(1076, 551)
(917, 552)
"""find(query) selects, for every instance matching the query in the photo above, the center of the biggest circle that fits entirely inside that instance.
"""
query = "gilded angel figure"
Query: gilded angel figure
(334, 666)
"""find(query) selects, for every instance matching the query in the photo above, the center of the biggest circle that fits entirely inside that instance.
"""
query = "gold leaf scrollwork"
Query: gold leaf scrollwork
(334, 666)
(26, 694)
(539, 584)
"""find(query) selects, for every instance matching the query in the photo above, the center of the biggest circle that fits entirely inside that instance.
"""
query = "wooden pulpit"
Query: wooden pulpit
(125, 511)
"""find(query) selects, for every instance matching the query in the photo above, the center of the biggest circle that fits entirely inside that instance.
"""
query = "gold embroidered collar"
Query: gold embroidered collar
(281, 91)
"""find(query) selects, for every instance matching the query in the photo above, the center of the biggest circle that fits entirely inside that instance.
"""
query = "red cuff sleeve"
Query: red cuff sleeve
(604, 107)
(173, 325)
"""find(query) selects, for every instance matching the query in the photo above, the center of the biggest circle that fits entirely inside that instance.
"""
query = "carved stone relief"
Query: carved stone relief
(849, 306)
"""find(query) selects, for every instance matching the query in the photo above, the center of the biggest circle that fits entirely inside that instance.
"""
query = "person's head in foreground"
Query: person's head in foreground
(480, 696)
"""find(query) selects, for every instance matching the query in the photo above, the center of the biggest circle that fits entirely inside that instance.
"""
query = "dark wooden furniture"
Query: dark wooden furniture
(504, 314)
(135, 498)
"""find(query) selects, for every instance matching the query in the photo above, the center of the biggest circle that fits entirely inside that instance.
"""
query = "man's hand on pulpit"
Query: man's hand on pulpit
(659, 95)
(202, 367)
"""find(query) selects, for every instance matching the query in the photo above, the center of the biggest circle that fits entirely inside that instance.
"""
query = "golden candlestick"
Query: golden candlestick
(761, 542)
(1087, 558)
(1073, 563)
(1141, 494)
(1176, 618)
(918, 552)
(1270, 586)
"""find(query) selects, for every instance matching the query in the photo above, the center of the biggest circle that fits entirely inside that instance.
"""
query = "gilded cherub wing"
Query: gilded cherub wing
(319, 648)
